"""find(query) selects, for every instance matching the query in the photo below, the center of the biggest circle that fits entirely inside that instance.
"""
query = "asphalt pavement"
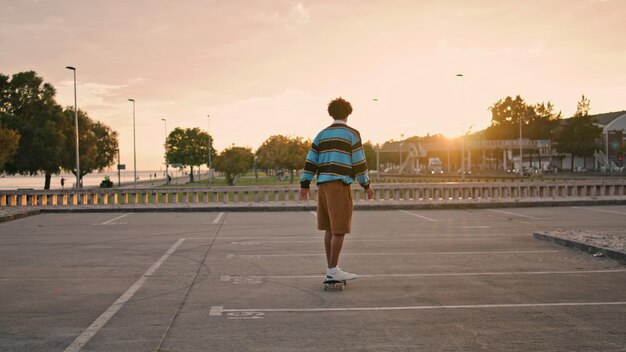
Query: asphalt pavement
(429, 280)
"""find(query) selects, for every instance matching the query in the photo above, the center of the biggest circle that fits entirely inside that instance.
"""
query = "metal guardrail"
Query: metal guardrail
(425, 147)
(406, 193)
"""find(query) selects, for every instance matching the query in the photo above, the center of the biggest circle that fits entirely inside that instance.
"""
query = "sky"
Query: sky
(259, 68)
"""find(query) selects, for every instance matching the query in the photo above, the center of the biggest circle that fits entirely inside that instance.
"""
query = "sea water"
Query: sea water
(8, 182)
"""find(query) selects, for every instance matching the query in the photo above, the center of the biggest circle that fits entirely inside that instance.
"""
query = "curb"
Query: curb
(19, 215)
(581, 246)
(238, 209)
(359, 206)
(488, 204)
(251, 207)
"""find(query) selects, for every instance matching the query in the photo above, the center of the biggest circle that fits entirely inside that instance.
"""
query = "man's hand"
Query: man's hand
(304, 193)
(370, 192)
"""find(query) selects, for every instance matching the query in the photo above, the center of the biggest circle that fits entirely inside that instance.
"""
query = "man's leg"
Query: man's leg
(335, 249)
(333, 245)
(328, 236)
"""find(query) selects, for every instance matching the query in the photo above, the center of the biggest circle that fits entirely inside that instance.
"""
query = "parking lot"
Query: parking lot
(429, 280)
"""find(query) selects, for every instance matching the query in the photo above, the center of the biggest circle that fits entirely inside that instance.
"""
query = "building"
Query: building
(479, 154)
(613, 125)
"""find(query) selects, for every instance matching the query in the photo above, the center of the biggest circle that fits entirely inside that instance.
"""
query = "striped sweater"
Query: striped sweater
(336, 154)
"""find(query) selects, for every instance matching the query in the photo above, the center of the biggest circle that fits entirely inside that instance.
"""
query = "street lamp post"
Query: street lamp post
(377, 159)
(209, 133)
(606, 148)
(400, 158)
(119, 171)
(165, 146)
(521, 157)
(76, 127)
(134, 146)
(462, 136)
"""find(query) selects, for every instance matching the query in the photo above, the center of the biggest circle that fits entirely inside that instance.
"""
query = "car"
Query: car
(531, 170)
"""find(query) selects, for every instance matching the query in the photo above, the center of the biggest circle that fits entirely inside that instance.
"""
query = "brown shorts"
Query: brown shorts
(334, 207)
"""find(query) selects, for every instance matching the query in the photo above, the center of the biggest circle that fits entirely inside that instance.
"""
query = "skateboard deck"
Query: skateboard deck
(335, 285)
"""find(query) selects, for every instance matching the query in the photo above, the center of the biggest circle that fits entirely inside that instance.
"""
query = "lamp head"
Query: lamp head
(70, 68)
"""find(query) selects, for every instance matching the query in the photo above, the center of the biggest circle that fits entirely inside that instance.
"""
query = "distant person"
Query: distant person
(337, 159)
(62, 183)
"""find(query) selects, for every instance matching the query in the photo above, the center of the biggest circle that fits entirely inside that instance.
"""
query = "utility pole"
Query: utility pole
(78, 185)
(462, 136)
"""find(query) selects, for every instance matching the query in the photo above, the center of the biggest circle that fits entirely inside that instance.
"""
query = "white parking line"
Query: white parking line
(466, 235)
(359, 236)
(114, 219)
(93, 329)
(376, 276)
(364, 238)
(602, 210)
(218, 218)
(360, 240)
(515, 214)
(219, 310)
(417, 215)
(230, 256)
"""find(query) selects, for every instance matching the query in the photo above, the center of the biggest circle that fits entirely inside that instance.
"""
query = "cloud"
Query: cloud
(91, 96)
(282, 113)
(136, 81)
(536, 51)
(268, 17)
(300, 14)
(297, 15)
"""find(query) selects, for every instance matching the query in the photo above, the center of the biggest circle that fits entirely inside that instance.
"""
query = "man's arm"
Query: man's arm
(310, 169)
(359, 167)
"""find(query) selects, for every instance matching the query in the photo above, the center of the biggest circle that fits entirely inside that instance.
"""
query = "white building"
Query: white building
(612, 124)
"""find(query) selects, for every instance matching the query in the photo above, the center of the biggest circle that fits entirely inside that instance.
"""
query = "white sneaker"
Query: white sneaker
(339, 275)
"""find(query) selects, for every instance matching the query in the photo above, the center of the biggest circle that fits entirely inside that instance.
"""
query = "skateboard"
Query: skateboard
(335, 285)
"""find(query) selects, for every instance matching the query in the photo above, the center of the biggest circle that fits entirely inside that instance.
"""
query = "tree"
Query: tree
(578, 135)
(370, 155)
(542, 124)
(505, 117)
(27, 106)
(283, 153)
(583, 107)
(97, 142)
(234, 161)
(188, 147)
(9, 140)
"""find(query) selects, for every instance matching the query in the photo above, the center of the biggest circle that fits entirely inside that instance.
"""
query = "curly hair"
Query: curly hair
(339, 108)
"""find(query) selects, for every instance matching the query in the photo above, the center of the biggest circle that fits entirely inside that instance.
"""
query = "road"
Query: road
(430, 280)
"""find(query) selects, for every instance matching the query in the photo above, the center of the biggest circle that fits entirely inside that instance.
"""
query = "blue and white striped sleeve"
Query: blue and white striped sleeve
(359, 164)
(310, 165)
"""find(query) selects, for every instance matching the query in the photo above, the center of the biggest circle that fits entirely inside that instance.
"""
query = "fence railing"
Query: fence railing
(413, 193)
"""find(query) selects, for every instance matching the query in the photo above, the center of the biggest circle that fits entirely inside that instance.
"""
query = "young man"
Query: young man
(337, 158)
